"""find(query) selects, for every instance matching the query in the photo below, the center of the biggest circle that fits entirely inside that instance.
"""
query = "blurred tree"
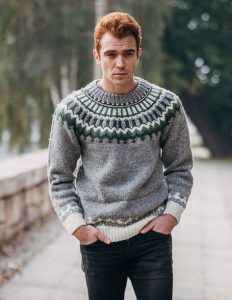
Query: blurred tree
(150, 15)
(44, 55)
(197, 65)
(100, 8)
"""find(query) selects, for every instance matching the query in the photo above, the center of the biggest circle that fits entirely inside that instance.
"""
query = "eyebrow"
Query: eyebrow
(114, 51)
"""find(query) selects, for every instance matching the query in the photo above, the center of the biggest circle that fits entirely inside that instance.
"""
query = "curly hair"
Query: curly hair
(120, 25)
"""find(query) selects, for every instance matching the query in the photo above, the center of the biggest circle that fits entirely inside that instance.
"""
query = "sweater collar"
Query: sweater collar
(96, 93)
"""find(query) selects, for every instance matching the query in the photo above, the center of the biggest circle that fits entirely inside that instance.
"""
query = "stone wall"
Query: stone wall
(24, 194)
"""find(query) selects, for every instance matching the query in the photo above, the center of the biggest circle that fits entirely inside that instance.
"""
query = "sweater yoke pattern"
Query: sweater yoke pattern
(99, 116)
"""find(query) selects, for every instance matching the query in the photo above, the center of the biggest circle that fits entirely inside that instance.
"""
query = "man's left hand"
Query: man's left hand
(163, 224)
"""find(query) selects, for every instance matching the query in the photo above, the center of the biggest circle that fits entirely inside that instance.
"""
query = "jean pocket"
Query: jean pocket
(160, 233)
(88, 245)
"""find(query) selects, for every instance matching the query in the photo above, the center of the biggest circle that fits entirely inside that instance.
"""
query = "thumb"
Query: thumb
(148, 227)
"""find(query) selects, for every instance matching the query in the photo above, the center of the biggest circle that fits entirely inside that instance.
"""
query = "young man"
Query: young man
(133, 180)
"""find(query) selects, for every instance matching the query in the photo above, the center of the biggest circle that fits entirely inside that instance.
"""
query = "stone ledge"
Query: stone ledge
(22, 172)
(24, 196)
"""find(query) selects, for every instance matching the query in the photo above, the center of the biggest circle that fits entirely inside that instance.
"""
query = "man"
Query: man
(133, 180)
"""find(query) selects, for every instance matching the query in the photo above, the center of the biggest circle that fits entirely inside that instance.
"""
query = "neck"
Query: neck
(118, 88)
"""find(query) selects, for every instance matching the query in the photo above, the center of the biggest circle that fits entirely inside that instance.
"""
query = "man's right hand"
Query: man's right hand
(88, 234)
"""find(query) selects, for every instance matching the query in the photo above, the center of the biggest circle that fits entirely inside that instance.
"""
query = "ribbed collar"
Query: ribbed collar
(96, 92)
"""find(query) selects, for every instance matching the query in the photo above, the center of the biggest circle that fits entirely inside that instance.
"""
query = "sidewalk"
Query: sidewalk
(202, 249)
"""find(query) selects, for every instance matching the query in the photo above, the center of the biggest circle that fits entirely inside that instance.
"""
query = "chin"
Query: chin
(121, 80)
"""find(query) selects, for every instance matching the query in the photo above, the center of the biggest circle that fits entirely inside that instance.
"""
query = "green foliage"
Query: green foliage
(39, 38)
(197, 41)
(46, 49)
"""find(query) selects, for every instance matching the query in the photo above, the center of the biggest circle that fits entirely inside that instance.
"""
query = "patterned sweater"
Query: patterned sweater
(117, 161)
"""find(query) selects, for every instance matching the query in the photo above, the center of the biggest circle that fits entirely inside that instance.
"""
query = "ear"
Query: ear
(140, 52)
(97, 56)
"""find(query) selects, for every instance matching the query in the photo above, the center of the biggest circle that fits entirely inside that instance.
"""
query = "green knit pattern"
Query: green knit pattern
(93, 118)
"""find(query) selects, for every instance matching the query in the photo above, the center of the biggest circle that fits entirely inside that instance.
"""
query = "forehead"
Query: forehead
(110, 42)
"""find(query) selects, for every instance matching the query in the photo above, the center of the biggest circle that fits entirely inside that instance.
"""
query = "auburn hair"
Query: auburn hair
(120, 25)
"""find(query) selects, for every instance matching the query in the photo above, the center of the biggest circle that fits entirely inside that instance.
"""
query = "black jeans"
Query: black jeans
(145, 258)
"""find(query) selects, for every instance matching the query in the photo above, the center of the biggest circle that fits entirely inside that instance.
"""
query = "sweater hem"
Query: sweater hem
(116, 234)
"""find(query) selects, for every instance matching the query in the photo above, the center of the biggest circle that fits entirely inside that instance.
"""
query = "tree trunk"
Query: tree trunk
(213, 140)
(64, 81)
(100, 10)
(73, 73)
(54, 91)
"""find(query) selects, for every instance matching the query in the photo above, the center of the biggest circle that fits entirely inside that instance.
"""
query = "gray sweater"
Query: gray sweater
(117, 161)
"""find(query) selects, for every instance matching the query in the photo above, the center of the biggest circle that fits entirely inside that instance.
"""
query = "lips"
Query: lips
(120, 73)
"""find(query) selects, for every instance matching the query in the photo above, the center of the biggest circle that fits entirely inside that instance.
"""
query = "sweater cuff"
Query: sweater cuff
(175, 205)
(74, 221)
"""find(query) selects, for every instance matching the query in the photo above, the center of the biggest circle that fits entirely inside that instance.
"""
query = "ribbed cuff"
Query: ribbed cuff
(174, 209)
(73, 222)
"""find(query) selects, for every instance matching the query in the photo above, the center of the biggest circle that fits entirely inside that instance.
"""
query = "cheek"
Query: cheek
(134, 63)
(107, 66)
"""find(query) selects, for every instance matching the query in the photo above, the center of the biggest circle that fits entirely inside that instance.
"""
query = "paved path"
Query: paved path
(202, 250)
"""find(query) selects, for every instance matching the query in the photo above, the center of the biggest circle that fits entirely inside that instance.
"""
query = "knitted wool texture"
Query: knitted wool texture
(117, 161)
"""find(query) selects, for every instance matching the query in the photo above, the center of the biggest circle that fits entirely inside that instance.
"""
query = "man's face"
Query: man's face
(118, 59)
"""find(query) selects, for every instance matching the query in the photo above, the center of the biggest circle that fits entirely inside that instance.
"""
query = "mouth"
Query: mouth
(120, 74)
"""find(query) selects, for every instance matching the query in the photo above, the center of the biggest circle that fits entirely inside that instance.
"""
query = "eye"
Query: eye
(129, 54)
(111, 54)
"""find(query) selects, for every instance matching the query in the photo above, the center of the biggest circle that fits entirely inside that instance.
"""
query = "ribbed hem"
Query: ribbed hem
(73, 222)
(116, 234)
(174, 209)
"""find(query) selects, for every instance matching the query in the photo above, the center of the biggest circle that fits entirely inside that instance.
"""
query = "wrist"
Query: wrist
(76, 230)
(171, 217)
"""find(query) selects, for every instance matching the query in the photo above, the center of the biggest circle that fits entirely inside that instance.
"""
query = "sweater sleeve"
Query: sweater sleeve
(178, 161)
(63, 153)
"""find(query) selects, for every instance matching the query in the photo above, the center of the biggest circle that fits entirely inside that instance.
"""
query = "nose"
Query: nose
(120, 62)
